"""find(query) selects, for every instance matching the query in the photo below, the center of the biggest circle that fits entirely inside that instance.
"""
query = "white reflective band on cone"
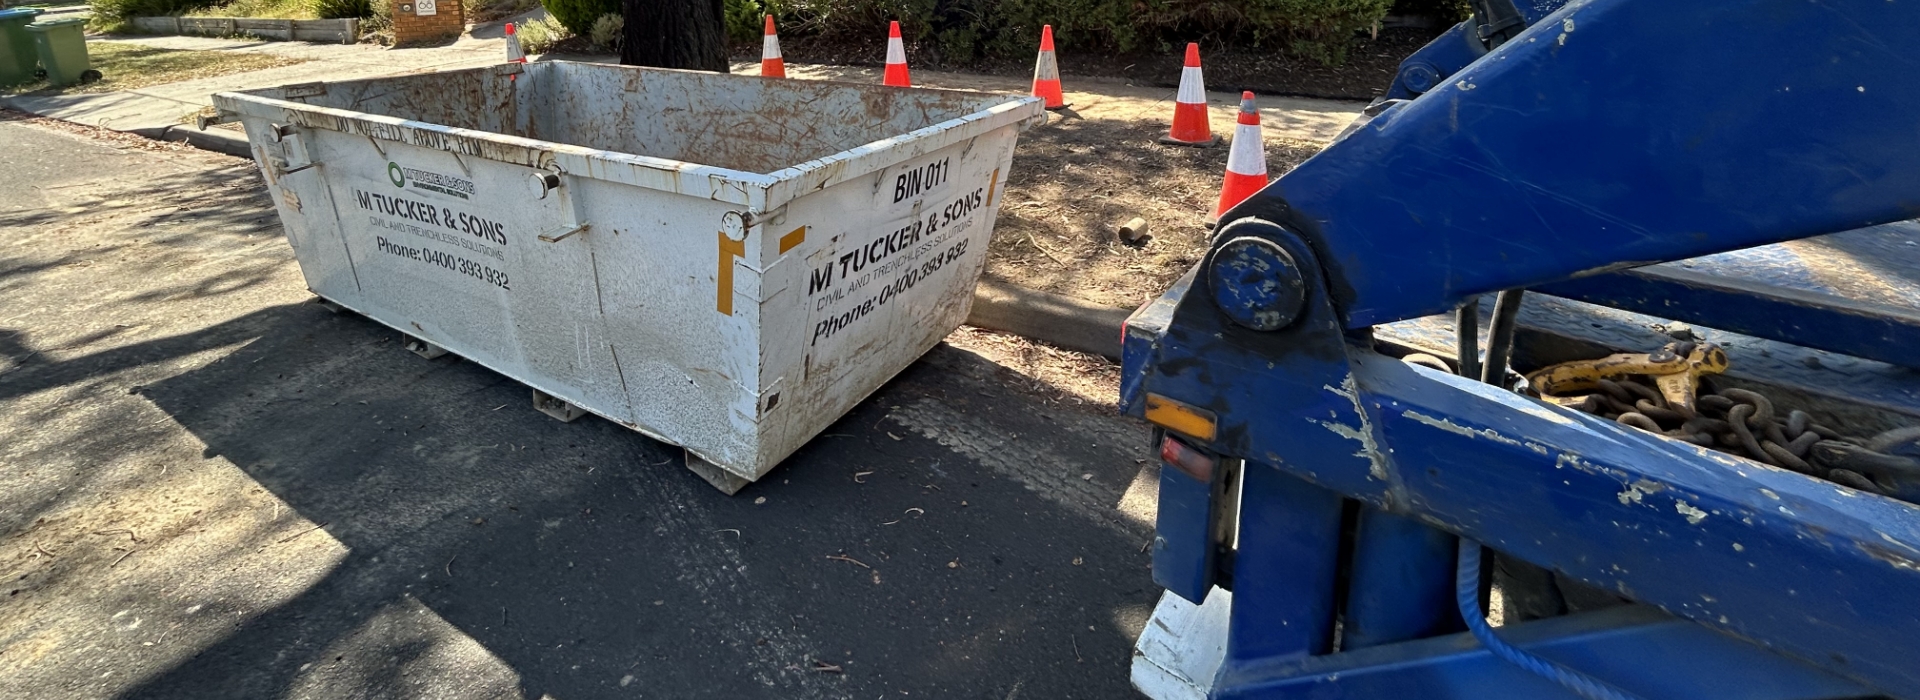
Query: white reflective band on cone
(770, 46)
(896, 52)
(1047, 69)
(1192, 89)
(1248, 156)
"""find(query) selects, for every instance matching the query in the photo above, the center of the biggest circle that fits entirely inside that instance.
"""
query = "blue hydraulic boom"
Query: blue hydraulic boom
(1325, 496)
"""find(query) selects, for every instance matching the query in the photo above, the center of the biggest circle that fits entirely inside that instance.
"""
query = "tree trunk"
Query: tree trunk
(688, 34)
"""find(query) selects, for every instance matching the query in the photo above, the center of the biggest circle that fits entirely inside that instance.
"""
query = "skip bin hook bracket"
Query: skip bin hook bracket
(545, 182)
(293, 149)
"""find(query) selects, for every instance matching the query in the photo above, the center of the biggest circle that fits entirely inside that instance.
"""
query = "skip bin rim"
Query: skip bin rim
(757, 191)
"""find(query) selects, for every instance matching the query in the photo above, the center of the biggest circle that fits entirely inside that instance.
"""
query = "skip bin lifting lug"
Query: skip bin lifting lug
(544, 183)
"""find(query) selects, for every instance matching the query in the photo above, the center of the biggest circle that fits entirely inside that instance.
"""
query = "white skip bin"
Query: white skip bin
(726, 263)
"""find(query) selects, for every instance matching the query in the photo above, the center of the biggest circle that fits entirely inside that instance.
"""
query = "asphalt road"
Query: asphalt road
(212, 489)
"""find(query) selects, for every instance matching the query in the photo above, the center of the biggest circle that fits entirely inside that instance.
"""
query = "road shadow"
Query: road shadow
(587, 563)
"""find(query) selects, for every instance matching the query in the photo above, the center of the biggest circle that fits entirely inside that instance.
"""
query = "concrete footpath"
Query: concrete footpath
(151, 111)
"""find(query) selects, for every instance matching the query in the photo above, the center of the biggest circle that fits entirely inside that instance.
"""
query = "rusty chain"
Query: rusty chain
(1747, 423)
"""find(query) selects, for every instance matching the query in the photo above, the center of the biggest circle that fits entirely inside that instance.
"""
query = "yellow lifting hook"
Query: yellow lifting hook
(1676, 369)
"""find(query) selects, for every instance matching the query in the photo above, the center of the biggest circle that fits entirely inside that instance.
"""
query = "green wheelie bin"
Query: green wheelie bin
(62, 45)
(17, 55)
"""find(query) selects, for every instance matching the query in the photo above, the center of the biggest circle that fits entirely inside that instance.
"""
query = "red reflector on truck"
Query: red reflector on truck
(1195, 463)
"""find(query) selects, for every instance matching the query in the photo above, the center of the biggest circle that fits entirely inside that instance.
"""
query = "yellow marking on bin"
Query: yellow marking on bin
(992, 183)
(729, 249)
(793, 238)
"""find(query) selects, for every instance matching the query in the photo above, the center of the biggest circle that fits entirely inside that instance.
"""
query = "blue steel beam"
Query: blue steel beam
(1799, 565)
(1612, 134)
(1460, 45)
(1400, 584)
(1643, 650)
(1852, 293)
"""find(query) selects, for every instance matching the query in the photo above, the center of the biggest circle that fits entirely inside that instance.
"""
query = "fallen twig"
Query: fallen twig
(294, 536)
(848, 559)
(1043, 249)
(1076, 648)
(736, 533)
(450, 566)
(122, 558)
(119, 531)
(857, 475)
(824, 667)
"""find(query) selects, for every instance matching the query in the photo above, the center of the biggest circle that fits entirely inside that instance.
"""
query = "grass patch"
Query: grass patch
(132, 66)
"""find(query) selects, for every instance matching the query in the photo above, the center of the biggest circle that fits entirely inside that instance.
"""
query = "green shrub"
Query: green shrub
(578, 15)
(743, 18)
(1318, 29)
(273, 9)
(1446, 12)
(960, 30)
(117, 13)
(608, 31)
(540, 35)
(342, 9)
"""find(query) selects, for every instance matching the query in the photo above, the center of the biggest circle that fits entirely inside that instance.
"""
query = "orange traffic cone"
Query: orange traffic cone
(1190, 106)
(1246, 163)
(1046, 73)
(771, 66)
(515, 54)
(896, 59)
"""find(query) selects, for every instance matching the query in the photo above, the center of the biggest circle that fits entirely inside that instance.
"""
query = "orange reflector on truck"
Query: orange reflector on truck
(1191, 421)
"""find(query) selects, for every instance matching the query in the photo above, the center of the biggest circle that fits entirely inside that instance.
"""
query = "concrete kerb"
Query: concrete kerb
(218, 141)
(1056, 320)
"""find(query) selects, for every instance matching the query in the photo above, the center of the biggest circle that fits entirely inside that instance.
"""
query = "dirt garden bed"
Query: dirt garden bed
(1075, 180)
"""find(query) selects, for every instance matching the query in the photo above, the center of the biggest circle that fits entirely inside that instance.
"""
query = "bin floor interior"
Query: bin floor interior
(1075, 181)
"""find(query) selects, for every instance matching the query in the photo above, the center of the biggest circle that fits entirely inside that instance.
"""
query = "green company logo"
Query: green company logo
(398, 176)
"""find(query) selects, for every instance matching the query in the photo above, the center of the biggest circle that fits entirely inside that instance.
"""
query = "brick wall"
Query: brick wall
(411, 27)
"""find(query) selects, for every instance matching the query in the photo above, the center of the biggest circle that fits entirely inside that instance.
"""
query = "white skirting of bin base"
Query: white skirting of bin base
(725, 263)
